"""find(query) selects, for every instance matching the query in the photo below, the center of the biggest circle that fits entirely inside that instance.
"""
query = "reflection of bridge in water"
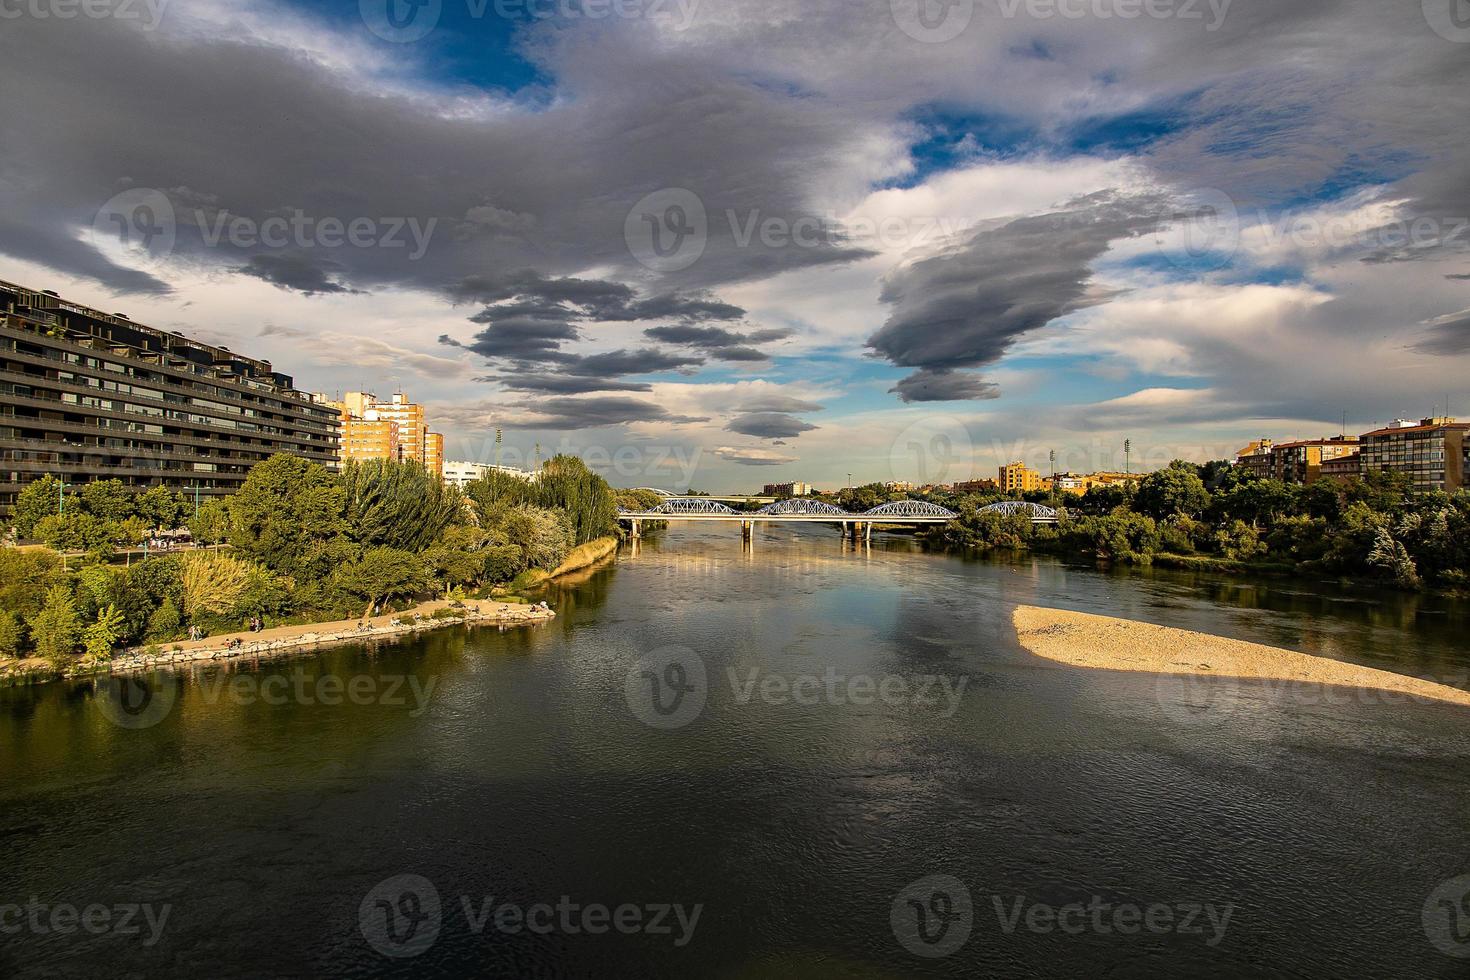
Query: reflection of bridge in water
(799, 510)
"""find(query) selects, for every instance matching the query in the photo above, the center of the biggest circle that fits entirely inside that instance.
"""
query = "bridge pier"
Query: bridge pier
(637, 529)
(747, 530)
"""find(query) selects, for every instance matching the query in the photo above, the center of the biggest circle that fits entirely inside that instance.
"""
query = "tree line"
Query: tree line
(304, 544)
(1217, 514)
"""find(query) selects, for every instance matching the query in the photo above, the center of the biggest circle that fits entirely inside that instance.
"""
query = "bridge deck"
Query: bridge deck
(781, 518)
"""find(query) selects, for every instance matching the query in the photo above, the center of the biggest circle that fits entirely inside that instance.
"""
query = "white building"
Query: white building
(460, 473)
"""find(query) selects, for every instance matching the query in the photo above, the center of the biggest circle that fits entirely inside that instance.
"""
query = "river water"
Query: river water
(797, 759)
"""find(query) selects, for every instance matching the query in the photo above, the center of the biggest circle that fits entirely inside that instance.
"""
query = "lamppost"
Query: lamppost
(61, 486)
(1127, 457)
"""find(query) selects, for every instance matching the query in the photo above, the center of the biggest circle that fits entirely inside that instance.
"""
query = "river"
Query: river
(799, 759)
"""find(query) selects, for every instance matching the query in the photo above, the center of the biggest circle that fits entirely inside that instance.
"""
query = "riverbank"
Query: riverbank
(426, 616)
(1104, 643)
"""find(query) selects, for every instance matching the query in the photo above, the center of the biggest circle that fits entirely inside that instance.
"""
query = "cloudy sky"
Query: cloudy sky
(730, 242)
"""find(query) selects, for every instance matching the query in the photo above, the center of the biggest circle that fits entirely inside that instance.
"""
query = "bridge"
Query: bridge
(734, 498)
(1038, 513)
(796, 510)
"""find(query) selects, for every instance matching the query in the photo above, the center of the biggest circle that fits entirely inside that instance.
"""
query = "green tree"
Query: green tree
(103, 635)
(212, 583)
(212, 524)
(382, 574)
(165, 623)
(1176, 489)
(57, 628)
(39, 499)
(398, 505)
(286, 507)
(161, 508)
(107, 500)
(12, 634)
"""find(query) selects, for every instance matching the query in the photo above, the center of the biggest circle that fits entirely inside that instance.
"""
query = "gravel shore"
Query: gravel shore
(1101, 642)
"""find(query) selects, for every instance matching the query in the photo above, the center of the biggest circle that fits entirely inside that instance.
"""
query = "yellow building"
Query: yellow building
(395, 429)
(1017, 477)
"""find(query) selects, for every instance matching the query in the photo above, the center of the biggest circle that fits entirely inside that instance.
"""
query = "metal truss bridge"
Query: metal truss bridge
(796, 510)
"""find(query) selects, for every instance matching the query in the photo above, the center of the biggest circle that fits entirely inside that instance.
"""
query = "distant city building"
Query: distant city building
(1256, 459)
(899, 486)
(1348, 467)
(794, 489)
(975, 486)
(1019, 478)
(1434, 452)
(1072, 483)
(461, 474)
(1301, 462)
(87, 395)
(395, 429)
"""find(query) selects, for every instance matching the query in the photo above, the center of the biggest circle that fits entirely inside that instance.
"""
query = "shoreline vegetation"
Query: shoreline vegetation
(310, 553)
(1375, 530)
(1105, 643)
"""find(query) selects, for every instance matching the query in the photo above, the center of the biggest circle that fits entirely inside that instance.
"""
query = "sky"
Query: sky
(722, 243)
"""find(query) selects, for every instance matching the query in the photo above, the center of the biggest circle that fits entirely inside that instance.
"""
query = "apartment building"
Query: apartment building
(395, 429)
(461, 473)
(794, 489)
(87, 395)
(1434, 452)
(1017, 477)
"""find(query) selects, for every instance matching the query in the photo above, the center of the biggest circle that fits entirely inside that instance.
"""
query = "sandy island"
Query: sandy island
(1105, 643)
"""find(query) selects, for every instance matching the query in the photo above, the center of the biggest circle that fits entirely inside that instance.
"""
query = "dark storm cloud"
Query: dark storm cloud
(644, 360)
(778, 403)
(50, 245)
(964, 308)
(563, 384)
(591, 413)
(944, 386)
(717, 342)
(1448, 337)
(296, 272)
(768, 425)
(739, 354)
(520, 338)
